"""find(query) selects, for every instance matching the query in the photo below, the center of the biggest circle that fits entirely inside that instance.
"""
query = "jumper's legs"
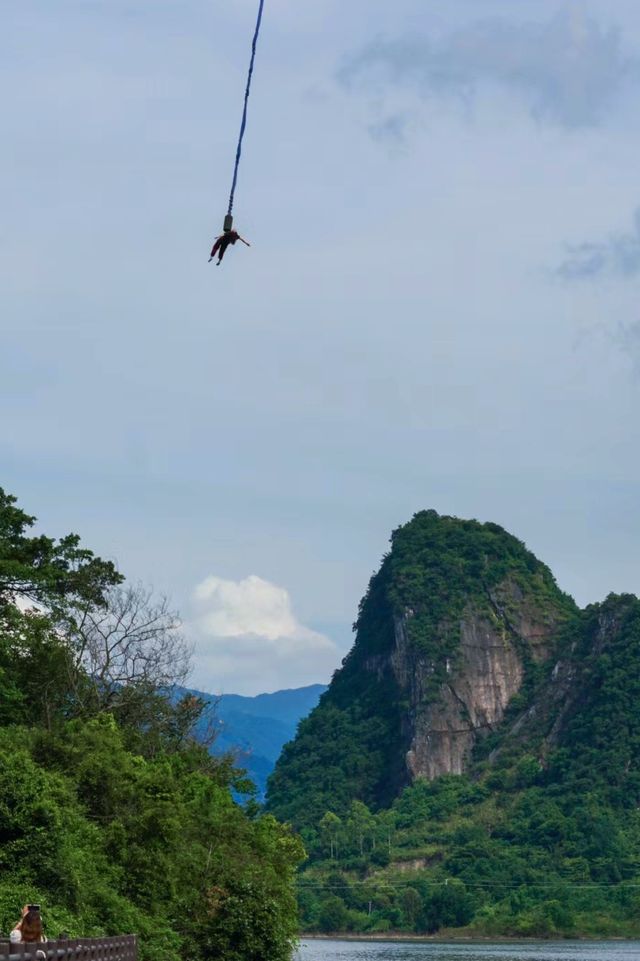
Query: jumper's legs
(215, 248)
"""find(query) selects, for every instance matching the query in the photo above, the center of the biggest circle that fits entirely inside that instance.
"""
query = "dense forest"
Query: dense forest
(112, 816)
(539, 834)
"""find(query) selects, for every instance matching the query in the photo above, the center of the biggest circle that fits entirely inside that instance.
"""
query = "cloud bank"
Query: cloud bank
(566, 71)
(248, 639)
(617, 255)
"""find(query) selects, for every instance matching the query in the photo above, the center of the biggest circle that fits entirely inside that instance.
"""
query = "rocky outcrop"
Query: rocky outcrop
(486, 672)
(452, 623)
(412, 865)
(545, 720)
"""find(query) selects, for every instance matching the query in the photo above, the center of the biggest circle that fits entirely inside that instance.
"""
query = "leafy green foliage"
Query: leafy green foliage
(440, 565)
(120, 823)
(45, 571)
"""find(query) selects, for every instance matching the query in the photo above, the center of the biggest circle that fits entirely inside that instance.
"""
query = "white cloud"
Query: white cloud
(248, 639)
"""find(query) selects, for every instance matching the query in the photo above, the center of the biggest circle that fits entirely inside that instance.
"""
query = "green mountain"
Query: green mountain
(475, 764)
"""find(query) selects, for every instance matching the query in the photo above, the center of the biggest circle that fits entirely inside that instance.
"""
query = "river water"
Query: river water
(477, 951)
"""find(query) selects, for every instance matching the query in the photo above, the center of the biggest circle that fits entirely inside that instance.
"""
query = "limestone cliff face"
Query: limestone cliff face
(546, 718)
(487, 670)
(452, 622)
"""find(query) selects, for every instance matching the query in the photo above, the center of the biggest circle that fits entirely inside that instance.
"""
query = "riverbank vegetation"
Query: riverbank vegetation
(471, 859)
(112, 816)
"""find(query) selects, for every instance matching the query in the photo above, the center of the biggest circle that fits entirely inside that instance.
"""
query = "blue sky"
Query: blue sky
(439, 309)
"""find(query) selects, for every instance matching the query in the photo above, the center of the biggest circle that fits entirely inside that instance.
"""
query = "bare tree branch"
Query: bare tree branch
(135, 639)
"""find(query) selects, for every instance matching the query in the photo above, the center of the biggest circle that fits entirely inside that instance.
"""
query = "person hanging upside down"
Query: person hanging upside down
(223, 241)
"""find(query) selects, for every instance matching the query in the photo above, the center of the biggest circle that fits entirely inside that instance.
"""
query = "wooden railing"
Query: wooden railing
(121, 948)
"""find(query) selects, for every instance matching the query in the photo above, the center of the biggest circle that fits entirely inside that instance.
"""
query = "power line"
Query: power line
(513, 885)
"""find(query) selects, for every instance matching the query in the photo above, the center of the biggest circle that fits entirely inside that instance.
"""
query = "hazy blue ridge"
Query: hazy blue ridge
(257, 728)
(288, 706)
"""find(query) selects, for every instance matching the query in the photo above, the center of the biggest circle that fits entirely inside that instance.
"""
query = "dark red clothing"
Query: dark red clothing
(222, 242)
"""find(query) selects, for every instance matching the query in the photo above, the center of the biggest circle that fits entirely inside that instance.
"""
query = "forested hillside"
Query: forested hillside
(476, 763)
(112, 816)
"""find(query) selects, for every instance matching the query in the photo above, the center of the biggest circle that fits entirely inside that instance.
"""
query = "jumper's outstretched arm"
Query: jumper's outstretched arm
(245, 242)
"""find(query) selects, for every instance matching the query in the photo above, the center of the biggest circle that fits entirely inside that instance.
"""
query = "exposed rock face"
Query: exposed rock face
(547, 716)
(446, 634)
(487, 671)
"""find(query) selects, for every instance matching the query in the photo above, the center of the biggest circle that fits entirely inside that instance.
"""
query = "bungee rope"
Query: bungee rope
(228, 220)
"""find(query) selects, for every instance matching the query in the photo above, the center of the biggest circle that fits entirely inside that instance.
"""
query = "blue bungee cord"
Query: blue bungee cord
(228, 220)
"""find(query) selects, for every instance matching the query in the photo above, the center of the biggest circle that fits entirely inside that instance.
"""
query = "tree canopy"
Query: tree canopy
(112, 816)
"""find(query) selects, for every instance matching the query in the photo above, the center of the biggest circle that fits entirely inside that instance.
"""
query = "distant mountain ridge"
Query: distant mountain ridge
(257, 728)
(287, 706)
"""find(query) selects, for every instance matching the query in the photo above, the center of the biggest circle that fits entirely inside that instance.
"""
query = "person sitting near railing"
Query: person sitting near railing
(29, 927)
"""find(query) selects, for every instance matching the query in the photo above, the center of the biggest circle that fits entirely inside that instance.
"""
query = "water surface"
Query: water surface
(477, 951)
